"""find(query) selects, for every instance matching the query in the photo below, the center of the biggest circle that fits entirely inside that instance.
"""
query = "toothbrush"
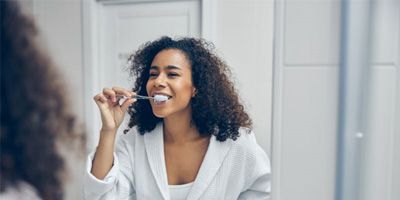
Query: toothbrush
(136, 97)
(158, 98)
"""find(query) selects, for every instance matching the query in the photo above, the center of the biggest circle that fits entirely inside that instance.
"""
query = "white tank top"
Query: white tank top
(179, 192)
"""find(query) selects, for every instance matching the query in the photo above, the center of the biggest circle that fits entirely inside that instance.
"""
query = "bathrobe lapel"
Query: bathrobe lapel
(213, 160)
(154, 145)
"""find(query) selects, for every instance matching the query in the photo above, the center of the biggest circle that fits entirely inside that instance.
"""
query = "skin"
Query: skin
(184, 148)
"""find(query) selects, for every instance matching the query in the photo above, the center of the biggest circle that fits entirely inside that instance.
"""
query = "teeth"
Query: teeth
(160, 97)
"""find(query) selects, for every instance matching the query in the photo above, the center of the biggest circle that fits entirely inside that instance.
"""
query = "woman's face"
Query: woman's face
(171, 75)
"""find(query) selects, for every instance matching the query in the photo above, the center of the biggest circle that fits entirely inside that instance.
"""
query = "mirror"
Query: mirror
(322, 94)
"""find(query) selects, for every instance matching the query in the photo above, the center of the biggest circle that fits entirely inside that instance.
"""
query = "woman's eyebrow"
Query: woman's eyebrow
(169, 67)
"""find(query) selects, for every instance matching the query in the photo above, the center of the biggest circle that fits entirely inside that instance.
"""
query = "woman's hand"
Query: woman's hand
(112, 113)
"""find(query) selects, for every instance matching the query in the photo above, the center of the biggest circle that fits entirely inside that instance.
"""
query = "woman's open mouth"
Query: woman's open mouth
(160, 99)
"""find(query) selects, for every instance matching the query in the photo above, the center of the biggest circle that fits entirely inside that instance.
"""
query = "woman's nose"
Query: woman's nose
(160, 81)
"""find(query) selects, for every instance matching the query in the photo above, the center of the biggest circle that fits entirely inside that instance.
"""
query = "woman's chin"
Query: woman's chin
(159, 114)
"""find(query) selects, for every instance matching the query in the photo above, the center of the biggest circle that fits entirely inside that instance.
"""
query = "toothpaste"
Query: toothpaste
(160, 98)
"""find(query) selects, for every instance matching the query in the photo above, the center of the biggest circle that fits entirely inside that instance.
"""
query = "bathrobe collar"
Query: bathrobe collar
(212, 161)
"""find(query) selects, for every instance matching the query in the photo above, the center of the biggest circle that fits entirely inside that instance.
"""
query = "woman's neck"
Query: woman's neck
(180, 129)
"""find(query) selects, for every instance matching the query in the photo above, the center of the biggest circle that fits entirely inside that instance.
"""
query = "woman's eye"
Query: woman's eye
(153, 74)
(173, 74)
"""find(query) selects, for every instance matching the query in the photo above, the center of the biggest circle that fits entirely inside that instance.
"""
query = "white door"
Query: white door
(122, 26)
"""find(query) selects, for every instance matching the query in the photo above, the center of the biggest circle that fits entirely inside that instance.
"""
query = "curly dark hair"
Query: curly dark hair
(34, 113)
(216, 108)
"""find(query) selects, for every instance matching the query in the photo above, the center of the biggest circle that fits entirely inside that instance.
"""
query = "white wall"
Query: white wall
(245, 40)
(305, 99)
(380, 170)
(63, 38)
(306, 102)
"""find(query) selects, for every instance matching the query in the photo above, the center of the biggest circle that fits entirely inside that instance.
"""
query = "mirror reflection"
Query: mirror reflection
(199, 99)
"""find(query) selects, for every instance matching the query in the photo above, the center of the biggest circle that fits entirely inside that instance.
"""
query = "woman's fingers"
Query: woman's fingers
(116, 93)
(126, 104)
(112, 113)
(113, 97)
(110, 94)
(122, 92)
(100, 98)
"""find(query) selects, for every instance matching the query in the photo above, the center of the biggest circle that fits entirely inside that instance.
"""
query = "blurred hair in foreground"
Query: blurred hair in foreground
(34, 111)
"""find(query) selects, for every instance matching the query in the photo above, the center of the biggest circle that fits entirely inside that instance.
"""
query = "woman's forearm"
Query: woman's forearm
(103, 159)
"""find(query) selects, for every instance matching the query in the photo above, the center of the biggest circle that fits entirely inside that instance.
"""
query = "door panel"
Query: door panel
(124, 27)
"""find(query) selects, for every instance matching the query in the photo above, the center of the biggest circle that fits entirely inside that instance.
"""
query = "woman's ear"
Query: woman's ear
(194, 92)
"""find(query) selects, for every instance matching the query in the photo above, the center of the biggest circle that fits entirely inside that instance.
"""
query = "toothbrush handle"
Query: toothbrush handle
(136, 97)
(141, 97)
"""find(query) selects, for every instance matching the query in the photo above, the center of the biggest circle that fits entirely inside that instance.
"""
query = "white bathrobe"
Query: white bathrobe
(230, 170)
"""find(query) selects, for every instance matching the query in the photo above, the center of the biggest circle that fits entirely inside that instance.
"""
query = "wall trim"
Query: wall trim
(277, 98)
(209, 20)
(395, 178)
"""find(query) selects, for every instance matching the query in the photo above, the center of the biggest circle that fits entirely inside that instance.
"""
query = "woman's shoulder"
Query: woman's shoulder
(246, 145)
(129, 137)
(130, 131)
(133, 137)
(246, 139)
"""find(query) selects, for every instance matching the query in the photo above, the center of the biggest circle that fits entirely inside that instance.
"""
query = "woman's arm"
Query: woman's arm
(259, 179)
(260, 189)
(112, 115)
(103, 159)
(119, 181)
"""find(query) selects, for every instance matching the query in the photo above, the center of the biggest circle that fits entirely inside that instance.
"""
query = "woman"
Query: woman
(195, 145)
(34, 113)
